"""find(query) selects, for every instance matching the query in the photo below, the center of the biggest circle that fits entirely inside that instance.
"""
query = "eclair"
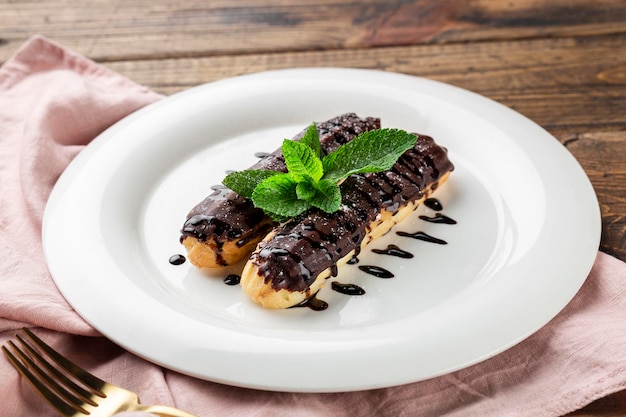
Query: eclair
(225, 227)
(292, 263)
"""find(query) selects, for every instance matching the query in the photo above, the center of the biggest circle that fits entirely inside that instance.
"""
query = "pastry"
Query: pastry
(292, 263)
(225, 227)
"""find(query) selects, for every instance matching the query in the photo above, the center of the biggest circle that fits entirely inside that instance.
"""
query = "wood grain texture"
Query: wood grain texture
(562, 63)
(113, 30)
(559, 83)
(603, 157)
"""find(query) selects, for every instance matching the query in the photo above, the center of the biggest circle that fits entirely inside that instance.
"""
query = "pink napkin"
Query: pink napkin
(53, 102)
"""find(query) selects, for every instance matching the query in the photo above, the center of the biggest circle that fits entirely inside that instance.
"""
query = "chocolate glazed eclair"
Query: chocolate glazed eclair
(225, 227)
(295, 259)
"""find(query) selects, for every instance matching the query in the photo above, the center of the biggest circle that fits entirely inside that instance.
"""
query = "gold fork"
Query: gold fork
(71, 390)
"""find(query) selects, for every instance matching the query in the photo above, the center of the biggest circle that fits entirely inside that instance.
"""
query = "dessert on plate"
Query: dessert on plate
(225, 227)
(292, 263)
(305, 210)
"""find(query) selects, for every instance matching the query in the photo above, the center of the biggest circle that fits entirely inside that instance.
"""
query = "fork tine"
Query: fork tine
(82, 393)
(85, 377)
(64, 408)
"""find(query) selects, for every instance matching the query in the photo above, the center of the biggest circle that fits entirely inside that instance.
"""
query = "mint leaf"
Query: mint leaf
(306, 189)
(311, 139)
(372, 151)
(312, 179)
(328, 196)
(277, 196)
(301, 161)
(244, 182)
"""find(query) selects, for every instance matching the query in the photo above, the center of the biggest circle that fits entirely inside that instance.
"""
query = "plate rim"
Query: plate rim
(66, 180)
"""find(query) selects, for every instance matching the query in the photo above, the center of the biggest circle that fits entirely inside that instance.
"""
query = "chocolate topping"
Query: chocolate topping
(315, 241)
(224, 215)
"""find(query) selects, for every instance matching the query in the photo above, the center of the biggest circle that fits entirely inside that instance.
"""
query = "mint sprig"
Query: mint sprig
(245, 182)
(371, 151)
(312, 179)
(302, 161)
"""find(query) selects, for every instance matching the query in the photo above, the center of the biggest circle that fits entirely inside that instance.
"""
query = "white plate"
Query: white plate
(527, 235)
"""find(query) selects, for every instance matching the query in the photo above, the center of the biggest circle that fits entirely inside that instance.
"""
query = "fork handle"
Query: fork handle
(163, 411)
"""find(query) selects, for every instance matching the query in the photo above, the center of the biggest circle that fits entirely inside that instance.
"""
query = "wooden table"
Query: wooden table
(562, 63)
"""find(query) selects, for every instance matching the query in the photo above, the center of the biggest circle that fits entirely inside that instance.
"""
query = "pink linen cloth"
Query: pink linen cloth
(53, 102)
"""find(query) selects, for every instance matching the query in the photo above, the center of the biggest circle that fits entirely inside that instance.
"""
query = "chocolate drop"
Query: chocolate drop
(232, 279)
(394, 250)
(377, 271)
(348, 289)
(177, 259)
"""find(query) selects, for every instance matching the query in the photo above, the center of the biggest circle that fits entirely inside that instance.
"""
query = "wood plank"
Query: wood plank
(565, 85)
(108, 30)
(602, 156)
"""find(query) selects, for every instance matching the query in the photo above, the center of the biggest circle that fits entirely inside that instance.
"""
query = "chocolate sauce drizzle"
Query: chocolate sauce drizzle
(438, 218)
(394, 250)
(422, 236)
(433, 204)
(377, 271)
(232, 279)
(348, 289)
(177, 259)
(314, 304)
(355, 256)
